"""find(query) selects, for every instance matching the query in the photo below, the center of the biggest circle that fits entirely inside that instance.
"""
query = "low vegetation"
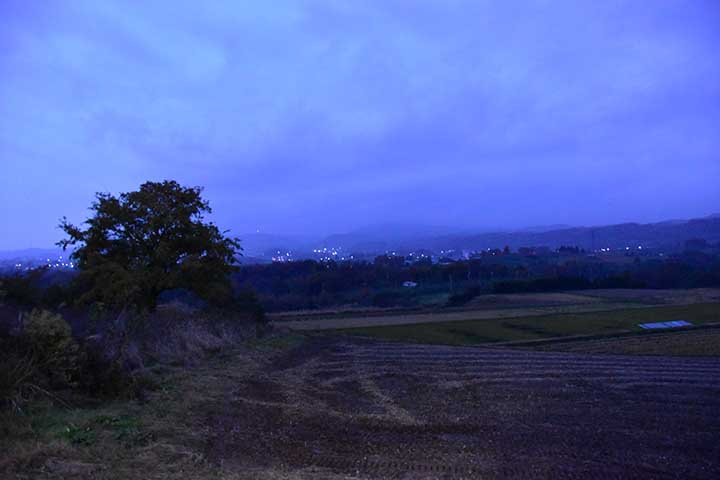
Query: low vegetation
(153, 292)
(160, 434)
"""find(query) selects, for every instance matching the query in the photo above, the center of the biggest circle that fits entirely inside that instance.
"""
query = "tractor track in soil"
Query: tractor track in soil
(375, 409)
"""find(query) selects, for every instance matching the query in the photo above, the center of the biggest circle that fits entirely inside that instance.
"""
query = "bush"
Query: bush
(43, 355)
(18, 374)
(52, 345)
(245, 300)
(460, 299)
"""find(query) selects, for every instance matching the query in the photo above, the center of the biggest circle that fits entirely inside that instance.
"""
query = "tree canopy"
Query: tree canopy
(139, 244)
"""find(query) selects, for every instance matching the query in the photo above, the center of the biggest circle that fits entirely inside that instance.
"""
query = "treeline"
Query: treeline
(310, 284)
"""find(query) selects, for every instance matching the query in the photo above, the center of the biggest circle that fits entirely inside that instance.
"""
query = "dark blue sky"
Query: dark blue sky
(321, 116)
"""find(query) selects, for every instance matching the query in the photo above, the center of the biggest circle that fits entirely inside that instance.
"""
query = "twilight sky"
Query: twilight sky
(317, 116)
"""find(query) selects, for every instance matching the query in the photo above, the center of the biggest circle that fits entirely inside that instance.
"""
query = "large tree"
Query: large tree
(139, 244)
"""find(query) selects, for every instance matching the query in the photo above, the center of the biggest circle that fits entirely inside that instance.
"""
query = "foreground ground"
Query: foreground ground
(343, 407)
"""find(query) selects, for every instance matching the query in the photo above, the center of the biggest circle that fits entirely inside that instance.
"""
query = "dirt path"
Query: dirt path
(338, 407)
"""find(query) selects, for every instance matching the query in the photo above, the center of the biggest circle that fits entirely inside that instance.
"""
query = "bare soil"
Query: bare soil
(532, 299)
(337, 407)
(701, 342)
(342, 407)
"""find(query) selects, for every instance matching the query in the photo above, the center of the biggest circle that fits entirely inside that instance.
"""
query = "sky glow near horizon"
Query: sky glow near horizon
(321, 116)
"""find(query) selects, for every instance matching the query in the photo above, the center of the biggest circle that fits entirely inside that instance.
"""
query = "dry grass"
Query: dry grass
(173, 361)
(162, 437)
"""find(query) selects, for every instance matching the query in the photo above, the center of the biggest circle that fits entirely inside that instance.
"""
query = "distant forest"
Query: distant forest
(382, 283)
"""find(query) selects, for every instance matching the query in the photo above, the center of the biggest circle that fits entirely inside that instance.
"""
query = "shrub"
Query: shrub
(460, 299)
(43, 355)
(111, 355)
(18, 374)
(245, 300)
(53, 347)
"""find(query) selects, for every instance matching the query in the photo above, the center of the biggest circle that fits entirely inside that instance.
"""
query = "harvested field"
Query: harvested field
(537, 327)
(532, 299)
(700, 342)
(656, 296)
(494, 306)
(482, 302)
(382, 410)
(335, 407)
(411, 318)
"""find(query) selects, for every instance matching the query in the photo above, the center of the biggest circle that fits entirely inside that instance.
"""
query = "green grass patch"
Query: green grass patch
(473, 332)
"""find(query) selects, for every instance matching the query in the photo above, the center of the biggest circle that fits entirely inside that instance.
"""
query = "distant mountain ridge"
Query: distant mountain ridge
(662, 234)
(659, 234)
(386, 237)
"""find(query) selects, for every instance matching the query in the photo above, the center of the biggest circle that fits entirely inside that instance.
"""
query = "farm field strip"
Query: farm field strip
(699, 342)
(331, 323)
(505, 354)
(532, 331)
(468, 366)
(554, 369)
(519, 371)
(542, 377)
(490, 366)
(350, 406)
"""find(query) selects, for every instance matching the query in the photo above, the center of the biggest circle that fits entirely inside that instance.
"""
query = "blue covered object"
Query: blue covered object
(671, 324)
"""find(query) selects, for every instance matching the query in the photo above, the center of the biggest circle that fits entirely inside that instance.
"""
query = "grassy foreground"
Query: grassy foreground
(472, 332)
(161, 436)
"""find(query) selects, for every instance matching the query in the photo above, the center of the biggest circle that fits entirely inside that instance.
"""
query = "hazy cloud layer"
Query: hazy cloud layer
(307, 116)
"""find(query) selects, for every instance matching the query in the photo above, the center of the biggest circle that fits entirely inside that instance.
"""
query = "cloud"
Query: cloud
(377, 109)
